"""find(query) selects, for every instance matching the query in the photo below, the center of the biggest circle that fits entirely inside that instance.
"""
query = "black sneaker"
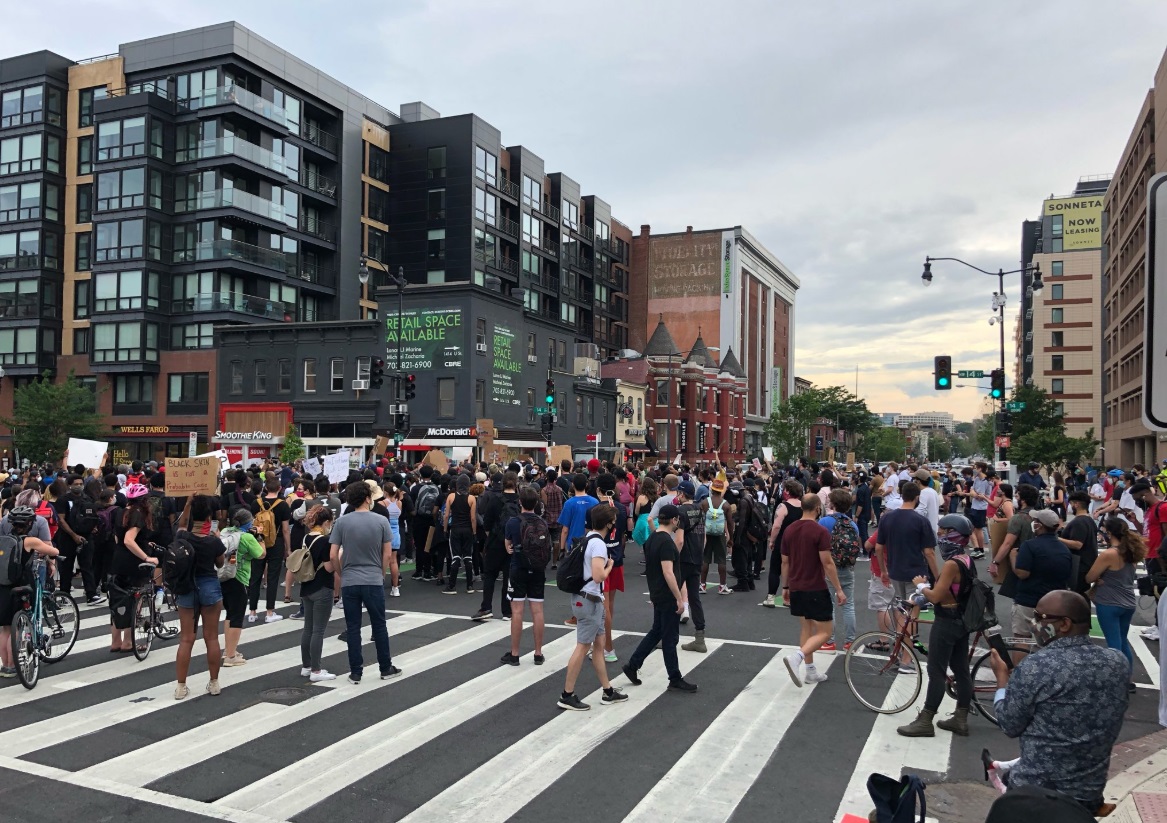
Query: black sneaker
(572, 703)
(393, 671)
(540, 660)
(630, 673)
(354, 679)
(417, 576)
(482, 615)
(299, 615)
(342, 637)
(682, 685)
(449, 591)
(96, 600)
(510, 659)
(613, 695)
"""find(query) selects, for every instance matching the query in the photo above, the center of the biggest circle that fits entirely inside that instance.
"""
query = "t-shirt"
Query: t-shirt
(39, 530)
(1082, 529)
(124, 562)
(320, 549)
(828, 522)
(208, 548)
(595, 547)
(1153, 530)
(1048, 561)
(906, 535)
(693, 525)
(660, 548)
(362, 535)
(163, 513)
(929, 507)
(982, 485)
(1098, 496)
(281, 512)
(249, 549)
(802, 541)
(660, 503)
(574, 515)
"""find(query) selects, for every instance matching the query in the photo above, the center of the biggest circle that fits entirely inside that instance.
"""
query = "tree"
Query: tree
(293, 448)
(46, 414)
(882, 445)
(1040, 411)
(789, 427)
(1051, 447)
(939, 447)
(984, 437)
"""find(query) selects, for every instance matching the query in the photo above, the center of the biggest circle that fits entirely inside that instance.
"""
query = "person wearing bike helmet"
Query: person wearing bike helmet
(134, 548)
(948, 642)
(20, 523)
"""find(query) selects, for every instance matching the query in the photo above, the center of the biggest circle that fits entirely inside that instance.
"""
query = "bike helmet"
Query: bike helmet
(954, 534)
(21, 518)
(957, 523)
(136, 490)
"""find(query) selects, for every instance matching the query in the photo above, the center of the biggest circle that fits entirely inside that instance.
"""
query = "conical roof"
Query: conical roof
(700, 354)
(661, 343)
(730, 365)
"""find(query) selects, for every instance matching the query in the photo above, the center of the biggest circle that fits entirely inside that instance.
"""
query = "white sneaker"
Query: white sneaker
(395, 591)
(320, 676)
(251, 618)
(702, 588)
(273, 617)
(306, 671)
(1150, 633)
(815, 677)
(768, 602)
(793, 663)
(724, 589)
(213, 687)
(685, 614)
(237, 660)
(181, 691)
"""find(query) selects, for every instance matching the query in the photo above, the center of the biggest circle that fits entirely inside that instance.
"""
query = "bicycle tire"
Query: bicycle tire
(143, 626)
(62, 619)
(874, 677)
(166, 628)
(985, 686)
(25, 656)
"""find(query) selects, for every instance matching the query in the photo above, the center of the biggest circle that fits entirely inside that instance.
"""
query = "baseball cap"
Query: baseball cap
(686, 488)
(923, 474)
(1047, 518)
(668, 512)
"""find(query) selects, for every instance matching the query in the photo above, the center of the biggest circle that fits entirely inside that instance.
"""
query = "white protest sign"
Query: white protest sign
(336, 466)
(312, 466)
(221, 455)
(89, 453)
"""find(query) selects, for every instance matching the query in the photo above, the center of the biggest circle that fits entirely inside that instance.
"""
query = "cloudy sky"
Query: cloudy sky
(851, 138)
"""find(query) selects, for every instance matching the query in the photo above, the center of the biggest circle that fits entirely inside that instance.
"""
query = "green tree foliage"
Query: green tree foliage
(293, 448)
(1051, 447)
(788, 429)
(984, 436)
(883, 444)
(939, 447)
(46, 414)
(1040, 411)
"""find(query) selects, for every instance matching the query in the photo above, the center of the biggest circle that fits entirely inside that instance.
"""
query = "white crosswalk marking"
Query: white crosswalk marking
(1150, 663)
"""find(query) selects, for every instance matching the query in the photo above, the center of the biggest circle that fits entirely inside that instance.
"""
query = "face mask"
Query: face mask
(1043, 633)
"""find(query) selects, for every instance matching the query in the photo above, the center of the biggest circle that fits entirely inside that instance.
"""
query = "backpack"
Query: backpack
(715, 519)
(300, 561)
(510, 508)
(977, 602)
(178, 564)
(569, 577)
(896, 801)
(534, 542)
(45, 510)
(82, 517)
(265, 523)
(111, 518)
(13, 571)
(237, 503)
(231, 539)
(845, 548)
(755, 520)
(427, 499)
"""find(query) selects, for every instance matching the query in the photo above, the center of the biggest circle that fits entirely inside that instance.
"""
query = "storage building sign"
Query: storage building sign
(429, 339)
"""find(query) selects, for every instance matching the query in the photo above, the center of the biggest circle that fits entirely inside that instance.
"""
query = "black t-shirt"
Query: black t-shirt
(62, 539)
(281, 512)
(1083, 529)
(162, 511)
(207, 549)
(657, 549)
(320, 549)
(235, 497)
(124, 563)
(693, 525)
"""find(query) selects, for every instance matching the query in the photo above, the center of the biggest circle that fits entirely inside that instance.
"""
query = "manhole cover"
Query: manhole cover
(285, 695)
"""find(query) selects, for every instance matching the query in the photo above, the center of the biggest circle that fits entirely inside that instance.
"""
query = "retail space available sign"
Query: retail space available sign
(505, 367)
(427, 338)
(1081, 221)
(1155, 309)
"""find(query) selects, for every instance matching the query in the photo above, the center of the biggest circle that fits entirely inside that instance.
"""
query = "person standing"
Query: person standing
(204, 600)
(1041, 564)
(497, 511)
(789, 512)
(616, 538)
(845, 549)
(661, 560)
(573, 518)
(276, 547)
(1080, 536)
(241, 548)
(907, 547)
(806, 549)
(929, 504)
(862, 513)
(461, 524)
(1113, 579)
(717, 518)
(316, 594)
(367, 558)
(692, 520)
(528, 576)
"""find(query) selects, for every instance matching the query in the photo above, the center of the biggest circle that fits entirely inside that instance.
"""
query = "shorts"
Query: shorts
(7, 606)
(1021, 625)
(978, 517)
(526, 584)
(815, 605)
(234, 601)
(615, 580)
(879, 596)
(715, 548)
(207, 592)
(903, 589)
(589, 616)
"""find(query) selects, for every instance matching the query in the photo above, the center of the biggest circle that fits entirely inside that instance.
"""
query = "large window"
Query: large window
(28, 201)
(20, 107)
(485, 207)
(125, 290)
(85, 155)
(436, 163)
(378, 164)
(376, 243)
(479, 399)
(121, 138)
(571, 214)
(336, 374)
(30, 152)
(128, 240)
(261, 377)
(23, 250)
(85, 203)
(532, 230)
(81, 341)
(84, 257)
(236, 377)
(579, 420)
(192, 336)
(532, 192)
(18, 347)
(309, 375)
(188, 393)
(133, 394)
(86, 98)
(1057, 386)
(662, 392)
(436, 204)
(127, 189)
(1057, 315)
(436, 245)
(81, 299)
(18, 298)
(378, 204)
(284, 376)
(485, 166)
(119, 342)
(446, 398)
(591, 406)
(485, 244)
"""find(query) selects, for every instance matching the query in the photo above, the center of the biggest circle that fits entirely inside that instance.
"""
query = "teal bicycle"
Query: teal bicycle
(45, 626)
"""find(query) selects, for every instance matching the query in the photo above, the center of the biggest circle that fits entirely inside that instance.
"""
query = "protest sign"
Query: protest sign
(192, 475)
(89, 453)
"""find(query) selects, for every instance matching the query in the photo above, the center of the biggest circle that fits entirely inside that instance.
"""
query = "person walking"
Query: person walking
(845, 550)
(1112, 578)
(807, 563)
(692, 552)
(316, 594)
(241, 548)
(906, 545)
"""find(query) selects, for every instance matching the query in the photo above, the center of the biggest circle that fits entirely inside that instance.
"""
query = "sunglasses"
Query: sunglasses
(1039, 617)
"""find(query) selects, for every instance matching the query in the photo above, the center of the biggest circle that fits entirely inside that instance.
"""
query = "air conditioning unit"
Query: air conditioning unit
(480, 347)
(532, 358)
(360, 385)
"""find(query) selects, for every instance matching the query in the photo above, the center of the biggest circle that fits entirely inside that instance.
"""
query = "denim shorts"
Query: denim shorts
(207, 592)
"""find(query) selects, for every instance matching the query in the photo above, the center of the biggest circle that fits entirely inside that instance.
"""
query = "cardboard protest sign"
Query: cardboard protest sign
(436, 458)
(89, 453)
(381, 444)
(850, 461)
(312, 466)
(555, 454)
(220, 455)
(192, 475)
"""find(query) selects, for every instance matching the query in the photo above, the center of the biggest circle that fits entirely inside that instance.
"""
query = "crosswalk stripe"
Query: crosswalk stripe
(311, 780)
(90, 719)
(149, 763)
(501, 787)
(1134, 637)
(708, 782)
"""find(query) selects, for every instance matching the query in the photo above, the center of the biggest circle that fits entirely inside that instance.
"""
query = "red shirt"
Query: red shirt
(1156, 518)
(801, 543)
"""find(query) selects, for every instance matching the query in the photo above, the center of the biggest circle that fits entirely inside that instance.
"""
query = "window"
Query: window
(485, 207)
(532, 230)
(662, 392)
(436, 204)
(20, 250)
(561, 354)
(567, 313)
(126, 189)
(591, 406)
(81, 299)
(24, 201)
(80, 341)
(118, 342)
(309, 375)
(30, 152)
(376, 244)
(532, 192)
(681, 391)
(445, 397)
(85, 203)
(378, 204)
(640, 411)
(571, 214)
(125, 290)
(480, 335)
(284, 375)
(1055, 225)
(86, 99)
(436, 163)
(120, 240)
(1056, 291)
(435, 276)
(1057, 315)
(531, 301)
(21, 107)
(336, 374)
(532, 346)
(561, 414)
(134, 391)
(260, 376)
(1060, 409)
(84, 257)
(436, 249)
(579, 411)
(188, 393)
(1057, 386)
(479, 399)
(1056, 268)
(1056, 244)
(121, 138)
(1057, 339)
(1058, 362)
(192, 336)
(85, 155)
(236, 377)
(18, 298)
(378, 164)
(485, 166)
(604, 412)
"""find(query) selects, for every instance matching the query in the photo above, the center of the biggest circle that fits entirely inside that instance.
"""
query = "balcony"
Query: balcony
(508, 188)
(503, 264)
(29, 262)
(240, 303)
(235, 96)
(319, 137)
(549, 246)
(318, 183)
(312, 271)
(234, 250)
(582, 263)
(234, 147)
(235, 199)
(543, 281)
(316, 227)
(507, 227)
(550, 211)
(24, 308)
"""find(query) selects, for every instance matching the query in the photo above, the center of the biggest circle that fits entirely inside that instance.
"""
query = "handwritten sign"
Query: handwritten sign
(381, 445)
(850, 461)
(336, 466)
(220, 455)
(312, 467)
(556, 454)
(192, 475)
(89, 453)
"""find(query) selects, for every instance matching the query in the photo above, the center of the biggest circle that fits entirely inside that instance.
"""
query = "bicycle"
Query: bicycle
(884, 673)
(44, 628)
(149, 621)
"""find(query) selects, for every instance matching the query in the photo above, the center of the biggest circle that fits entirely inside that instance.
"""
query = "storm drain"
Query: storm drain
(288, 696)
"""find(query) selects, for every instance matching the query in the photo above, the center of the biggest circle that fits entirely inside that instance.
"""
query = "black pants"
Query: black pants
(425, 560)
(774, 576)
(461, 553)
(80, 555)
(102, 555)
(666, 630)
(691, 577)
(948, 650)
(273, 561)
(743, 555)
(496, 560)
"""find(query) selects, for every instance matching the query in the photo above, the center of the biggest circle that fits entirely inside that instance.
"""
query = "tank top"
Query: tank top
(460, 513)
(793, 513)
(1117, 587)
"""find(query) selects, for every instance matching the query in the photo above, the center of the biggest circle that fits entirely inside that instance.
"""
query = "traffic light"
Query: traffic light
(376, 373)
(628, 455)
(410, 387)
(997, 384)
(547, 422)
(942, 370)
(402, 421)
(1004, 422)
(550, 394)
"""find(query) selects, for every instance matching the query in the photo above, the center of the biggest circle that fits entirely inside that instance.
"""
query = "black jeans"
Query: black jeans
(691, 576)
(496, 560)
(666, 630)
(743, 555)
(948, 650)
(82, 556)
(774, 575)
(273, 561)
(461, 552)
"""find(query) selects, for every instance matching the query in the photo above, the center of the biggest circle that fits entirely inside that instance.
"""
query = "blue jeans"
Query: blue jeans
(1115, 621)
(847, 581)
(372, 599)
(666, 630)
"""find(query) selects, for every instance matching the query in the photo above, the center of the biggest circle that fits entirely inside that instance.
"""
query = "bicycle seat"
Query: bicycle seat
(146, 567)
(20, 591)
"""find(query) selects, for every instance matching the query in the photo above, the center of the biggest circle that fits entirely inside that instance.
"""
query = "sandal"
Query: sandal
(287, 600)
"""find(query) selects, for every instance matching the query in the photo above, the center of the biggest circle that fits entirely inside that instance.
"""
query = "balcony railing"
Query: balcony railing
(507, 227)
(28, 262)
(311, 271)
(317, 228)
(236, 96)
(586, 231)
(319, 137)
(241, 303)
(543, 281)
(223, 146)
(122, 355)
(24, 309)
(508, 188)
(550, 210)
(581, 263)
(504, 264)
(318, 183)
(550, 246)
(235, 199)
(233, 250)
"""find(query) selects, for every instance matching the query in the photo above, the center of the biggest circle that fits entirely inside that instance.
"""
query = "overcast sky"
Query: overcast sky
(851, 138)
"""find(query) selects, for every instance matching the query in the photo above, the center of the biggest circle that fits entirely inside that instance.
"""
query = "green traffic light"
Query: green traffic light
(943, 381)
(549, 399)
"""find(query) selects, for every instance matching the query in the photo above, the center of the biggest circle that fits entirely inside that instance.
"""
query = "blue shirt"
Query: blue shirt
(828, 523)
(574, 515)
(1048, 562)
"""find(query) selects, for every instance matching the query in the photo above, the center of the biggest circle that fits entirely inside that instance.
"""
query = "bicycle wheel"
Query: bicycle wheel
(60, 621)
(166, 623)
(24, 651)
(874, 674)
(985, 683)
(143, 626)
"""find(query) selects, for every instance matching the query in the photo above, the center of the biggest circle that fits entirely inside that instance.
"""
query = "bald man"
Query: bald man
(1065, 701)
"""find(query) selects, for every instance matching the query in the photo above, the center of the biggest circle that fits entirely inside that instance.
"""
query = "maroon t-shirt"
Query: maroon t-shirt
(801, 543)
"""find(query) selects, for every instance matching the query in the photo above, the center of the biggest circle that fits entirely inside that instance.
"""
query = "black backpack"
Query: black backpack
(427, 499)
(13, 571)
(178, 564)
(755, 521)
(83, 518)
(977, 602)
(509, 508)
(569, 577)
(534, 542)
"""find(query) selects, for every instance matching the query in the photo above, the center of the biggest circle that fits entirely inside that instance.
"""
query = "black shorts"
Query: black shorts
(978, 517)
(526, 584)
(815, 605)
(714, 548)
(234, 602)
(7, 606)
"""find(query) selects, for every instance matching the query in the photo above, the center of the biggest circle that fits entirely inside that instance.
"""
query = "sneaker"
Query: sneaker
(449, 591)
(181, 691)
(251, 618)
(569, 621)
(482, 615)
(299, 615)
(342, 637)
(213, 687)
(395, 591)
(793, 663)
(7, 671)
(723, 589)
(815, 677)
(847, 646)
(768, 602)
(96, 600)
(306, 671)
(610, 657)
(390, 673)
(613, 695)
(702, 589)
(572, 703)
(274, 617)
(540, 660)
(920, 647)
(321, 676)
(682, 685)
(471, 590)
(417, 576)
(510, 659)
(1150, 633)
(630, 673)
(906, 669)
(354, 679)
(429, 578)
(234, 660)
(685, 615)
(828, 647)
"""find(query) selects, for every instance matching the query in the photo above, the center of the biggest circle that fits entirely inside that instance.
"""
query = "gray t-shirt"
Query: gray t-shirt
(596, 547)
(985, 487)
(363, 535)
(669, 499)
(39, 530)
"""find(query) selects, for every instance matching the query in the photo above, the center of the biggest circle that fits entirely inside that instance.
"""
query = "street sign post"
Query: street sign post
(1155, 308)
(1003, 441)
(595, 438)
(1015, 405)
(970, 373)
(192, 444)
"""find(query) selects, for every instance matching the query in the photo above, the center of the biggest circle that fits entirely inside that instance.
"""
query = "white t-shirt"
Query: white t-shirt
(1126, 501)
(595, 547)
(929, 507)
(1096, 491)
(892, 500)
(661, 502)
